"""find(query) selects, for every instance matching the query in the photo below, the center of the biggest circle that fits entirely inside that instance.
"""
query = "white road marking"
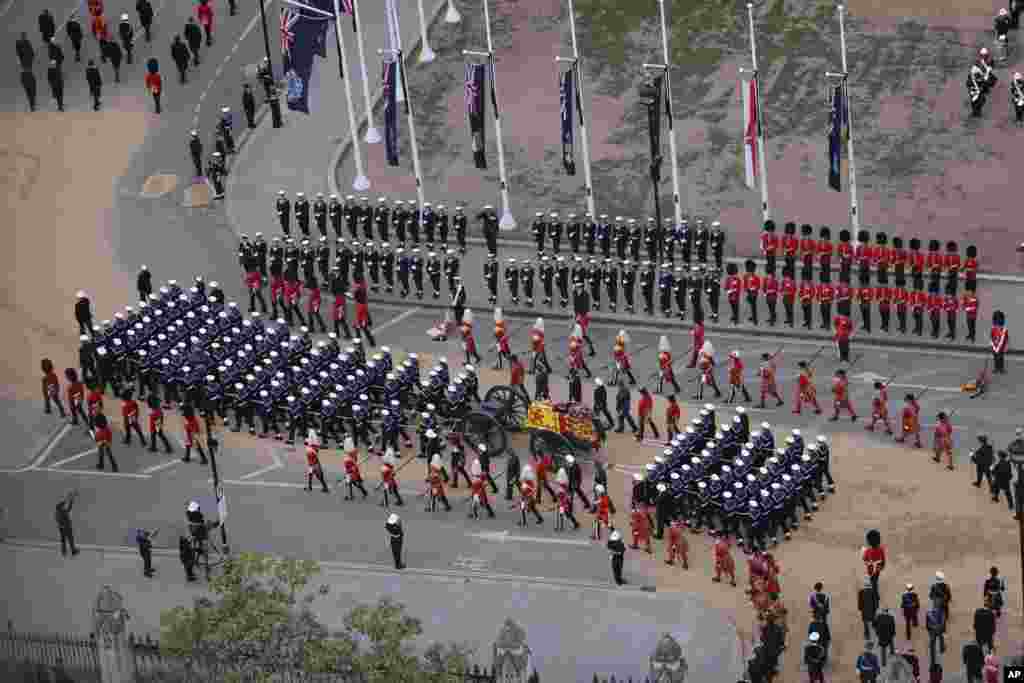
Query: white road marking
(263, 470)
(504, 536)
(161, 466)
(65, 461)
(397, 319)
(99, 473)
(49, 448)
(275, 484)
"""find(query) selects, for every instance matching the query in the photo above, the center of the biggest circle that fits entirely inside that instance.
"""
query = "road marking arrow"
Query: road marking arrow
(504, 536)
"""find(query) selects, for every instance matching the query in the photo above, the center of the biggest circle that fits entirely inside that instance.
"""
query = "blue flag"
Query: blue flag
(567, 96)
(390, 85)
(302, 38)
(836, 134)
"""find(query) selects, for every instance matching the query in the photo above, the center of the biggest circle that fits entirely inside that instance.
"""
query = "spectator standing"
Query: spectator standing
(885, 630)
(145, 11)
(974, 661)
(985, 628)
(204, 12)
(867, 664)
(935, 622)
(64, 526)
(180, 55)
(154, 83)
(28, 82)
(910, 604)
(867, 605)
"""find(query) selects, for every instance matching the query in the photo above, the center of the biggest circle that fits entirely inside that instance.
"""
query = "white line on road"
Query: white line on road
(397, 319)
(73, 458)
(504, 536)
(275, 484)
(49, 448)
(98, 473)
(162, 466)
(263, 470)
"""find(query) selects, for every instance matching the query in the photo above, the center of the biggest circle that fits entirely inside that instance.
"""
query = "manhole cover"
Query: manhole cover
(158, 185)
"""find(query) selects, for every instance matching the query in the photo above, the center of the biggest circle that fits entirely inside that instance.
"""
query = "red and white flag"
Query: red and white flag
(751, 131)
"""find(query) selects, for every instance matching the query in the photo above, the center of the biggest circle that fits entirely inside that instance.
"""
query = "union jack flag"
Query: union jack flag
(472, 90)
(289, 17)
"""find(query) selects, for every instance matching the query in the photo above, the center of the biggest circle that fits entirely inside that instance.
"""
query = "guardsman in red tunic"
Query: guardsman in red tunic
(672, 414)
(313, 466)
(943, 443)
(528, 495)
(51, 388)
(769, 245)
(724, 562)
(1000, 338)
(130, 419)
(362, 298)
(468, 340)
(901, 297)
(478, 490)
(880, 408)
(970, 306)
(919, 302)
(706, 364)
(603, 509)
(899, 260)
(843, 333)
(767, 374)
(862, 253)
(353, 477)
(501, 341)
(808, 247)
(825, 293)
(825, 250)
(645, 410)
(935, 302)
(540, 356)
(156, 424)
(583, 320)
(790, 246)
(845, 254)
(733, 287)
(771, 296)
(191, 425)
(789, 296)
(736, 378)
(970, 266)
(807, 296)
(805, 390)
(951, 304)
(844, 296)
(620, 357)
(677, 545)
(697, 337)
(936, 261)
(543, 467)
(389, 479)
(94, 402)
(910, 420)
(641, 528)
(437, 486)
(104, 438)
(916, 260)
(841, 396)
(666, 374)
(883, 295)
(76, 396)
(865, 296)
(752, 288)
(951, 263)
(576, 360)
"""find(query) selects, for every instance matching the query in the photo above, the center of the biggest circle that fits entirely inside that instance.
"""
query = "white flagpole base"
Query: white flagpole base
(427, 55)
(452, 16)
(373, 136)
(507, 221)
(361, 183)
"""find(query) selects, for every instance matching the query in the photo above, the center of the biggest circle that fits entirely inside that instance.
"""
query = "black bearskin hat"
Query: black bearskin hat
(952, 247)
(750, 266)
(769, 226)
(897, 242)
(971, 285)
(972, 251)
(806, 229)
(915, 244)
(881, 238)
(998, 318)
(844, 235)
(863, 236)
(825, 233)
(934, 245)
(790, 228)
(874, 538)
(732, 269)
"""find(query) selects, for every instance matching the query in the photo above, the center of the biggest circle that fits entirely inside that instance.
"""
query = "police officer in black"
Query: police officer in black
(590, 234)
(610, 275)
(512, 280)
(595, 276)
(547, 279)
(491, 268)
(562, 280)
(396, 538)
(302, 213)
(459, 222)
(647, 278)
(604, 235)
(621, 236)
(320, 213)
(526, 274)
(652, 240)
(574, 233)
(629, 284)
(434, 272)
(334, 215)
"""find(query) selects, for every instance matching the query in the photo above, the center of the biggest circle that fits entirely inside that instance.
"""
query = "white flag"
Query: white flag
(751, 131)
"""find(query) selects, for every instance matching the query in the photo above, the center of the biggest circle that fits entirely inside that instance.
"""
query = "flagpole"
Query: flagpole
(671, 125)
(584, 138)
(854, 213)
(361, 182)
(372, 134)
(761, 154)
(426, 54)
(397, 55)
(508, 221)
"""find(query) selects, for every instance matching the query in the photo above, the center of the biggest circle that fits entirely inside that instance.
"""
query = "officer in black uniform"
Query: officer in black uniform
(387, 266)
(459, 222)
(195, 148)
(574, 233)
(441, 220)
(260, 248)
(562, 278)
(620, 233)
(526, 273)
(712, 287)
(429, 225)
(323, 258)
(702, 241)
(491, 268)
(382, 218)
(652, 239)
(604, 235)
(555, 229)
(399, 220)
(594, 278)
(320, 213)
(417, 272)
(629, 284)
(696, 295)
(681, 284)
(334, 215)
(610, 274)
(301, 208)
(684, 239)
(718, 244)
(451, 270)
(372, 257)
(413, 223)
(668, 242)
(666, 285)
(647, 278)
(590, 234)
(490, 229)
(434, 272)
(636, 237)
(539, 229)
(350, 213)
(512, 280)
(547, 279)
(404, 270)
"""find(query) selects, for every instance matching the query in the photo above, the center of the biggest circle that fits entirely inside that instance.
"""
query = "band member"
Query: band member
(943, 440)
(808, 251)
(788, 287)
(540, 357)
(623, 363)
(767, 374)
(736, 378)
(468, 340)
(806, 391)
(970, 306)
(910, 420)
(1000, 342)
(880, 408)
(807, 297)
(666, 374)
(844, 294)
(706, 365)
(752, 288)
(501, 340)
(841, 396)
(884, 294)
(769, 245)
(845, 255)
(865, 296)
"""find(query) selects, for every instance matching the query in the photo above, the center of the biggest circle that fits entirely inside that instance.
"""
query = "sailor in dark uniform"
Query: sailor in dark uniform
(451, 269)
(302, 213)
(574, 233)
(604, 235)
(590, 234)
(555, 229)
(680, 287)
(595, 277)
(512, 280)
(540, 232)
(562, 280)
(459, 222)
(621, 237)
(320, 214)
(284, 212)
(652, 239)
(629, 284)
(636, 236)
(611, 282)
(666, 283)
(547, 279)
(647, 278)
(718, 244)
(434, 272)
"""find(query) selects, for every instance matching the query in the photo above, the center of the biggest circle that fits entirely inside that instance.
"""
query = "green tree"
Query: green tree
(259, 621)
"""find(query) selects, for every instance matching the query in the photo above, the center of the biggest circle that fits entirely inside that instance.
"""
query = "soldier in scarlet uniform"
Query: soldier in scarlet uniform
(645, 410)
(880, 408)
(970, 265)
(478, 490)
(771, 296)
(752, 288)
(873, 556)
(576, 361)
(706, 365)
(501, 340)
(468, 340)
(724, 562)
(950, 304)
(807, 296)
(736, 378)
(844, 252)
(94, 402)
(844, 295)
(899, 262)
(902, 298)
(843, 333)
(970, 306)
(767, 374)
(191, 425)
(156, 424)
(808, 251)
(935, 264)
(790, 246)
(583, 320)
(862, 254)
(883, 294)
(677, 545)
(672, 414)
(540, 357)
(542, 466)
(1000, 341)
(313, 302)
(951, 265)
(841, 396)
(865, 296)
(666, 374)
(51, 388)
(805, 390)
(353, 477)
(824, 248)
(363, 321)
(916, 261)
(824, 294)
(769, 245)
(910, 420)
(436, 483)
(528, 495)
(104, 439)
(389, 479)
(697, 336)
(943, 440)
(603, 509)
(641, 528)
(313, 466)
(788, 287)
(918, 302)
(621, 358)
(935, 302)
(881, 257)
(130, 418)
(733, 287)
